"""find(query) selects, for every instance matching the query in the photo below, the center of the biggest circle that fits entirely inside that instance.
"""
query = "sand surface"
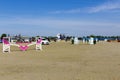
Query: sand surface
(62, 61)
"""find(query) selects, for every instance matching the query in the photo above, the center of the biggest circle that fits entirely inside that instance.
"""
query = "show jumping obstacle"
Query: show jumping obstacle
(7, 44)
(91, 40)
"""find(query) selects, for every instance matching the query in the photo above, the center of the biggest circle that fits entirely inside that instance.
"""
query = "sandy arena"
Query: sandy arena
(62, 61)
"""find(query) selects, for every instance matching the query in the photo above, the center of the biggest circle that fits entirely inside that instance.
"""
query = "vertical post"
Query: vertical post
(91, 40)
(6, 44)
(39, 44)
(39, 47)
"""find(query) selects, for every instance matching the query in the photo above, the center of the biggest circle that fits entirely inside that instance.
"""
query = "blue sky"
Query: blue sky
(49, 17)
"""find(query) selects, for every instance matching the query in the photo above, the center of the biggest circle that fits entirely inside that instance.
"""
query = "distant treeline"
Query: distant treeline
(107, 37)
(64, 37)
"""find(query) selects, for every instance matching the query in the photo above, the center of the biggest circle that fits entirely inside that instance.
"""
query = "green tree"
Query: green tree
(3, 35)
(92, 35)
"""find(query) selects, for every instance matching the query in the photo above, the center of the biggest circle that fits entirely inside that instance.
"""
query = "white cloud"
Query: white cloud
(56, 22)
(71, 11)
(111, 5)
(55, 25)
(105, 7)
